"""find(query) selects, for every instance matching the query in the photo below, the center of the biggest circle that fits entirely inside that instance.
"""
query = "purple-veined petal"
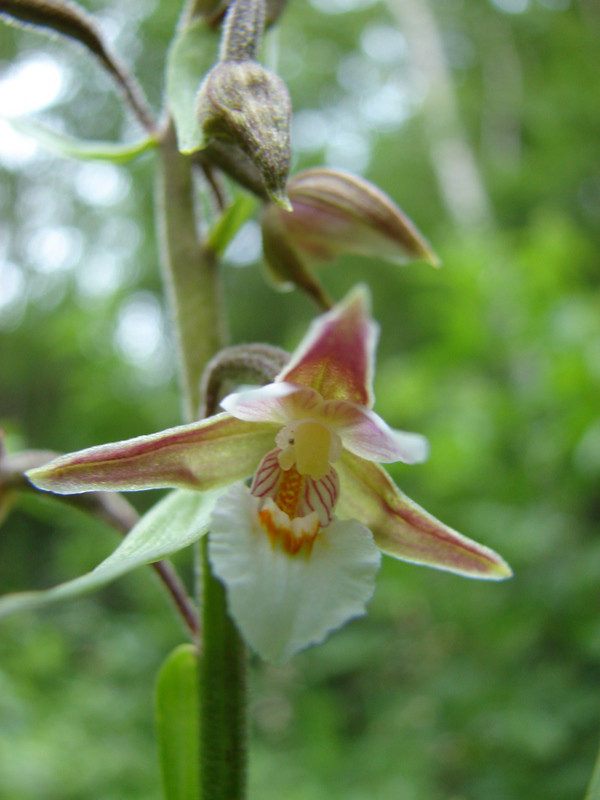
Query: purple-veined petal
(318, 496)
(278, 403)
(337, 354)
(404, 530)
(365, 433)
(202, 455)
(283, 603)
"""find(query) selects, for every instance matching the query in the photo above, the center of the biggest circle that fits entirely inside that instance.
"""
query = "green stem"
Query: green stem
(194, 294)
(223, 697)
(190, 272)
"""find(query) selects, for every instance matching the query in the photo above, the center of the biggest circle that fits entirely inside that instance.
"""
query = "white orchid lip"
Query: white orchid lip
(283, 602)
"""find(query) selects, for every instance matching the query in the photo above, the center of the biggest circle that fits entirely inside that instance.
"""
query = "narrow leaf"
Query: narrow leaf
(64, 145)
(177, 723)
(191, 54)
(230, 222)
(172, 524)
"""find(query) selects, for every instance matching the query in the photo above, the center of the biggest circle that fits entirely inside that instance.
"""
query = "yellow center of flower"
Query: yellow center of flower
(312, 449)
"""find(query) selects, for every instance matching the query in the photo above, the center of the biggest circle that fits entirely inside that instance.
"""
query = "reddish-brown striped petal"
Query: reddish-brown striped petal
(202, 455)
(336, 356)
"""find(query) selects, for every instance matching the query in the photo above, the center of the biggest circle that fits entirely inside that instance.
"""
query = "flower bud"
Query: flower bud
(245, 105)
(284, 266)
(335, 212)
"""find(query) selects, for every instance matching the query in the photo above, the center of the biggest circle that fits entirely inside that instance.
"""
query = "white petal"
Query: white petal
(374, 440)
(262, 404)
(367, 435)
(281, 603)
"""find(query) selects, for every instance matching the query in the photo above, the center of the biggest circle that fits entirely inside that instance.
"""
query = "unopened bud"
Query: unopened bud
(274, 10)
(255, 364)
(242, 103)
(335, 212)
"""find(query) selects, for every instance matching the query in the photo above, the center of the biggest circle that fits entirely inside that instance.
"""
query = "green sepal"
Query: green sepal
(191, 54)
(63, 145)
(177, 723)
(229, 223)
(173, 523)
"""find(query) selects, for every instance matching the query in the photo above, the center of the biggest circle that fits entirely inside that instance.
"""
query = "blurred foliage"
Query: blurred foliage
(448, 689)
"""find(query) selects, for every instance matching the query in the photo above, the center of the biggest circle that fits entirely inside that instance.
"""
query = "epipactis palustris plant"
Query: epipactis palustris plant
(298, 549)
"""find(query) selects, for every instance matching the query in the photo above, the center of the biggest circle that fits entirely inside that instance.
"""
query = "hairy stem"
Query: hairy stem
(190, 272)
(243, 30)
(223, 697)
(193, 289)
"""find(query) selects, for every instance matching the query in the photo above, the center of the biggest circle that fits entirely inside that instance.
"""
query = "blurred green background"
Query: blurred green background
(481, 119)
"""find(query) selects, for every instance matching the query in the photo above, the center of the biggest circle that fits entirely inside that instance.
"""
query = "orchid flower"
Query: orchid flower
(298, 549)
(334, 213)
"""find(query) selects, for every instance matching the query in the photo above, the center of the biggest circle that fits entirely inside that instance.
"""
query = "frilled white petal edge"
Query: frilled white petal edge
(281, 603)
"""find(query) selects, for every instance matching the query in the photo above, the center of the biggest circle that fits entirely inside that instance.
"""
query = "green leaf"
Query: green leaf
(192, 53)
(176, 521)
(177, 723)
(229, 223)
(64, 145)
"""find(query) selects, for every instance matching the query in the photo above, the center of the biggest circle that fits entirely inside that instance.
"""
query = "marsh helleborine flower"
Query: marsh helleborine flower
(298, 550)
(335, 213)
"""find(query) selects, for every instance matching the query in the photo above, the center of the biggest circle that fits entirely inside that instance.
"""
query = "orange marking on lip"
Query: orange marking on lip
(291, 542)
